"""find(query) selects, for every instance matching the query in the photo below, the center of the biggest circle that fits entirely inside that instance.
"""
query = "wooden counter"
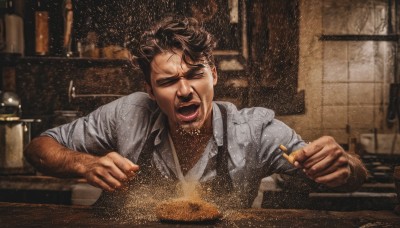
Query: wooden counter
(50, 190)
(46, 215)
(37, 189)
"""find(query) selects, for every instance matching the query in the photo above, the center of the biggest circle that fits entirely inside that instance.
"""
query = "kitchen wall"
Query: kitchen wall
(346, 83)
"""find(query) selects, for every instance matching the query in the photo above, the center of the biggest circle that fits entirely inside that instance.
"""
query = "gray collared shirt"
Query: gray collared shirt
(254, 136)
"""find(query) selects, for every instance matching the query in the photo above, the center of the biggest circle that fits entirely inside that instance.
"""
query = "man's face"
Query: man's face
(183, 92)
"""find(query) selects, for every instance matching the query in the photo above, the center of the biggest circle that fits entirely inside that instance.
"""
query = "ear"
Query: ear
(149, 90)
(215, 75)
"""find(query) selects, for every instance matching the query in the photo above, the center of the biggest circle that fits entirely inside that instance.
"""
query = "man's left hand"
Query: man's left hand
(325, 162)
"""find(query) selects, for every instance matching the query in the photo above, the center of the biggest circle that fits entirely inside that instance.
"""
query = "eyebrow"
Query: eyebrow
(190, 72)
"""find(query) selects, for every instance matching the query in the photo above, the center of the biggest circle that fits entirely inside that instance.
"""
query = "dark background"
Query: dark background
(265, 42)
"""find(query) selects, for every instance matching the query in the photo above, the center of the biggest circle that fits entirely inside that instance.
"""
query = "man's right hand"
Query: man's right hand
(109, 172)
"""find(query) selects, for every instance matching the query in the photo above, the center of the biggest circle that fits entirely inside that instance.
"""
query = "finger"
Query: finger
(107, 171)
(309, 150)
(124, 168)
(328, 170)
(122, 163)
(315, 147)
(316, 158)
(131, 163)
(297, 164)
(320, 155)
(327, 160)
(340, 162)
(299, 156)
(108, 164)
(131, 173)
(133, 167)
(98, 182)
(336, 178)
(310, 162)
(109, 179)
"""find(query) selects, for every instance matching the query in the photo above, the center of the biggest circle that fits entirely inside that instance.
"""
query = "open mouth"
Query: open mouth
(188, 113)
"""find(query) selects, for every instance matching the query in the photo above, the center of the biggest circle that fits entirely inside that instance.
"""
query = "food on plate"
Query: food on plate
(187, 210)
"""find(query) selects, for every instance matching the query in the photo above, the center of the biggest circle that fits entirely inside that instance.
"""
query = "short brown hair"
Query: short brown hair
(175, 33)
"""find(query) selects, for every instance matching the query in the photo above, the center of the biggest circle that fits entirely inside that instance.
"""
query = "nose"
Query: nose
(185, 91)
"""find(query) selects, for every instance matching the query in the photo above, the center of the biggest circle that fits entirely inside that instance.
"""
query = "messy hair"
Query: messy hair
(176, 33)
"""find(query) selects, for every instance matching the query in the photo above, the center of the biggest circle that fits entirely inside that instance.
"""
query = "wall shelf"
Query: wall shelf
(359, 37)
(13, 59)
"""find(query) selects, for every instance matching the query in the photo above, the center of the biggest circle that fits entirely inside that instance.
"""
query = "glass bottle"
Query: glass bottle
(3, 10)
(68, 15)
(14, 31)
(41, 29)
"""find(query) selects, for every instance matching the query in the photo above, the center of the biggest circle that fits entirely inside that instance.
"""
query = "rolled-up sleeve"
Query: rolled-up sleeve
(275, 133)
(122, 126)
(93, 133)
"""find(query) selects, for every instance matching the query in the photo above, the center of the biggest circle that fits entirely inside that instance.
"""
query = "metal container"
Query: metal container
(14, 136)
(10, 105)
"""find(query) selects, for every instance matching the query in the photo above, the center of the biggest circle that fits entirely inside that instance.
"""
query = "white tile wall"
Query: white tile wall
(335, 61)
(361, 93)
(380, 94)
(337, 134)
(355, 17)
(335, 94)
(335, 71)
(361, 117)
(356, 74)
(361, 61)
(380, 117)
(361, 18)
(335, 117)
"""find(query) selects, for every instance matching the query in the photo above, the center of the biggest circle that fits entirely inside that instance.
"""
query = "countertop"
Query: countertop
(47, 215)
(50, 190)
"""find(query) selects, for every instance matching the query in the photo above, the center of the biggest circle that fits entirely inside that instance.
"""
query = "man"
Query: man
(176, 131)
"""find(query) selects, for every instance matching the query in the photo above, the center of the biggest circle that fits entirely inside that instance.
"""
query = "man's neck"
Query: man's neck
(190, 145)
(191, 136)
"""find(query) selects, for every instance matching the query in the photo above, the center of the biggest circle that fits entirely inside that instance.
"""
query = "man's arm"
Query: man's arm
(325, 162)
(107, 172)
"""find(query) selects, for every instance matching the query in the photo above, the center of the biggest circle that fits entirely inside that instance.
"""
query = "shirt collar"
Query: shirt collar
(159, 125)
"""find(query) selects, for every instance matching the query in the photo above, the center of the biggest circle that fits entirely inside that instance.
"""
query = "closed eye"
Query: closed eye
(195, 75)
(167, 81)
